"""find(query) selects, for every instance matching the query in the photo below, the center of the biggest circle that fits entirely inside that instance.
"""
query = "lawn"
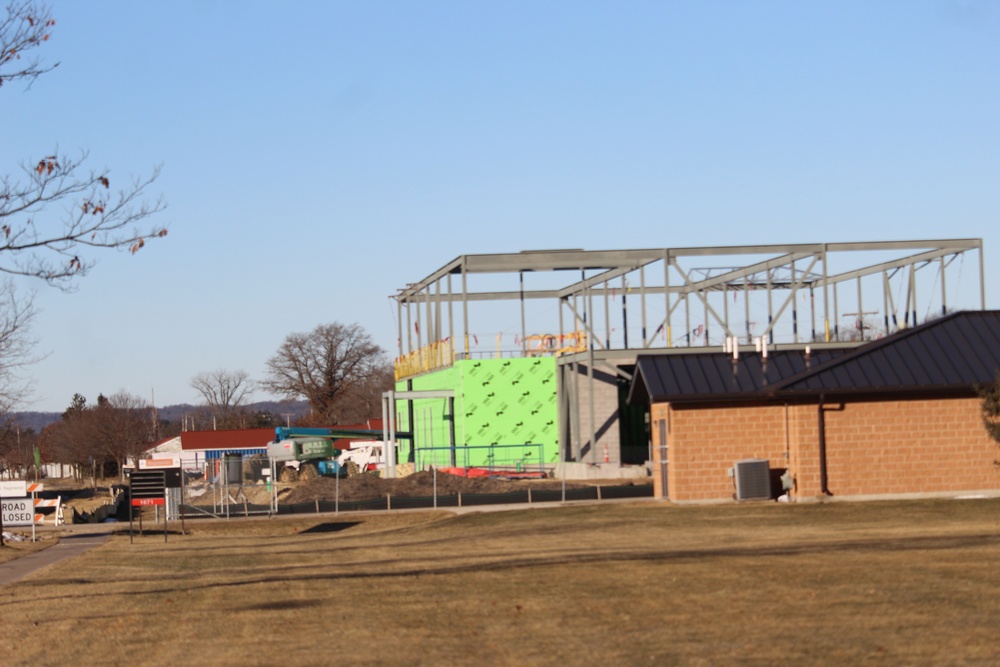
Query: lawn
(887, 583)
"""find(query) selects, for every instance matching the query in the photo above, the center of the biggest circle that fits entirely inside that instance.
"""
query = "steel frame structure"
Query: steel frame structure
(784, 273)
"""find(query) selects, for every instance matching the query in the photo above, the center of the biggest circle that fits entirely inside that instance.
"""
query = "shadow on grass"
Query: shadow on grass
(284, 605)
(506, 563)
(333, 527)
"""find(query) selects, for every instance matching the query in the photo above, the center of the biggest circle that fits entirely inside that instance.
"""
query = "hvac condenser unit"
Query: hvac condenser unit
(753, 479)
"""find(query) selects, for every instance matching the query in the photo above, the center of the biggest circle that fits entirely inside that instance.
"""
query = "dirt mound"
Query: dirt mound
(422, 484)
(358, 487)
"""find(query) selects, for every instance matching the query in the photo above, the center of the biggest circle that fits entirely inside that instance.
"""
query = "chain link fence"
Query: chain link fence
(430, 489)
(243, 486)
(230, 485)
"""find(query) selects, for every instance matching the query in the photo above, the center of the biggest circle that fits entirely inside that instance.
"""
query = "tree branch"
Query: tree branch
(38, 242)
(26, 26)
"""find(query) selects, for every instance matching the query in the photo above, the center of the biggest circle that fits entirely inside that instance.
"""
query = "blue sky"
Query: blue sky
(317, 156)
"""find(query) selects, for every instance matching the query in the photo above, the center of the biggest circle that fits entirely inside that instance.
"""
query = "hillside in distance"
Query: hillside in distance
(195, 414)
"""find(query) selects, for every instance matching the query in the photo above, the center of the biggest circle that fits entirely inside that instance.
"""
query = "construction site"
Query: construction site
(524, 361)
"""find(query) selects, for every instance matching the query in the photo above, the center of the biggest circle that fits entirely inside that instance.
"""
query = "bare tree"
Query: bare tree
(124, 427)
(77, 439)
(324, 367)
(363, 401)
(17, 448)
(16, 345)
(71, 440)
(224, 392)
(54, 211)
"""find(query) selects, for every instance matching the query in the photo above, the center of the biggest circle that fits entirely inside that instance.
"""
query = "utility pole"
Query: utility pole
(155, 414)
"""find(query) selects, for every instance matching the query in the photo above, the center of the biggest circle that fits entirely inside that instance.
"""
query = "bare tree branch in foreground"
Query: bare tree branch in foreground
(54, 212)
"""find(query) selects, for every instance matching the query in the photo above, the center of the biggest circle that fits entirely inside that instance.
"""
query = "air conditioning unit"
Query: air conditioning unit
(753, 479)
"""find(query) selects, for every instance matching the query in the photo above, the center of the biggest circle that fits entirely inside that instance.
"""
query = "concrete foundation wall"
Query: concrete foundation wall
(602, 427)
(600, 471)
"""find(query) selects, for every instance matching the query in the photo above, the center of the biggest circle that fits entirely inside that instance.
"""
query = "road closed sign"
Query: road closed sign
(18, 511)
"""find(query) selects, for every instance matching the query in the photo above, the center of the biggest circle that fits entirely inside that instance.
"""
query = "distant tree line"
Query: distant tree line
(335, 368)
(96, 440)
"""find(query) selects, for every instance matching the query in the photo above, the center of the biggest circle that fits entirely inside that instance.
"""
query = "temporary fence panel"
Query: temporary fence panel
(230, 485)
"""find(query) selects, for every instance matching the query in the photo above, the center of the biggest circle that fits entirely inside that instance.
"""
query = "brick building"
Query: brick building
(896, 417)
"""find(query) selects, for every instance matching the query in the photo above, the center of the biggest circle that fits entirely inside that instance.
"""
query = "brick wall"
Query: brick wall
(704, 442)
(909, 447)
(873, 448)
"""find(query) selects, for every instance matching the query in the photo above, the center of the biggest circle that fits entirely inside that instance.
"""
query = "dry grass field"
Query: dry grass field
(879, 583)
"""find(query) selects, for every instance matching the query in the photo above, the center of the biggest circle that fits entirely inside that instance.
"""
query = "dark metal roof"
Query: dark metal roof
(947, 355)
(716, 376)
(953, 353)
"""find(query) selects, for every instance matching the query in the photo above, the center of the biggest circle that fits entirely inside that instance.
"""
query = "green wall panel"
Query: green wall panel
(510, 402)
(506, 413)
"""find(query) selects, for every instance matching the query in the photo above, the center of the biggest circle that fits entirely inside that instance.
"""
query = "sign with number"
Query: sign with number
(146, 502)
(147, 487)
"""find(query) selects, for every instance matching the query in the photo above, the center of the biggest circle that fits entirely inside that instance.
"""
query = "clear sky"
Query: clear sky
(317, 155)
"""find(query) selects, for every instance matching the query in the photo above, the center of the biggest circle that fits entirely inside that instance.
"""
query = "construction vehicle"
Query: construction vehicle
(307, 453)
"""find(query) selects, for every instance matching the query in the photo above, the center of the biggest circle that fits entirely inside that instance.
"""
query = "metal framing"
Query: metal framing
(691, 302)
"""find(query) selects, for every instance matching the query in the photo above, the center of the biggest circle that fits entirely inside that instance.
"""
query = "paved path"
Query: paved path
(70, 545)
